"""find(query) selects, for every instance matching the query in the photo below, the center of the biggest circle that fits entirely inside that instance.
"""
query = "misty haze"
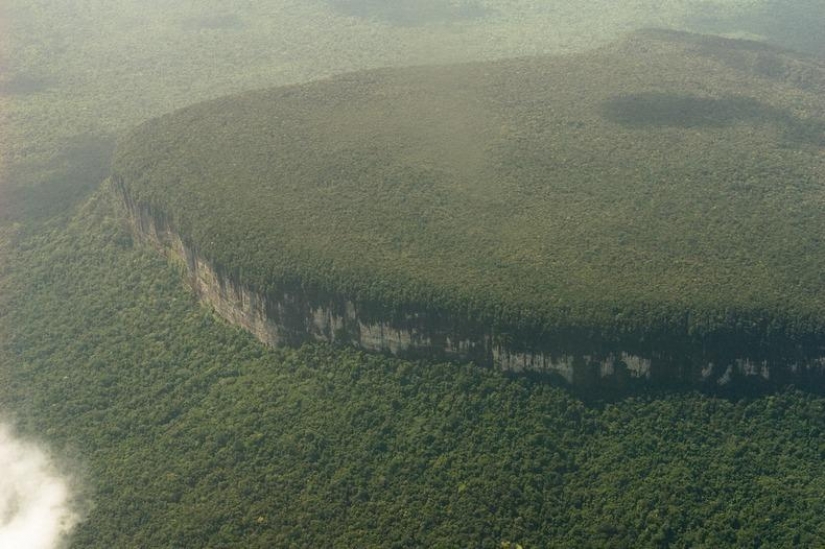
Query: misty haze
(444, 273)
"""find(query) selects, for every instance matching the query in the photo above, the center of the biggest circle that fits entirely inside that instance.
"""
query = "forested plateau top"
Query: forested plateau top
(669, 183)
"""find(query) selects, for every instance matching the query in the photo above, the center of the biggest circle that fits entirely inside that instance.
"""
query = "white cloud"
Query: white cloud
(35, 501)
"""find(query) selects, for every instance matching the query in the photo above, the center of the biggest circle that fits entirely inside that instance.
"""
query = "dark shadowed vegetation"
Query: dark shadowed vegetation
(662, 110)
(35, 190)
(23, 84)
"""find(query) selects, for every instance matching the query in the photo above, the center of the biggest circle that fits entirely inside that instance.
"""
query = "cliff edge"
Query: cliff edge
(645, 213)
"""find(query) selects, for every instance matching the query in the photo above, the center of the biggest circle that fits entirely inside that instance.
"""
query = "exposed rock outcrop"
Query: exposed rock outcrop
(292, 316)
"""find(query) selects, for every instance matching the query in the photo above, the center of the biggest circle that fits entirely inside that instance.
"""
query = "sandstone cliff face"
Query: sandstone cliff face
(292, 317)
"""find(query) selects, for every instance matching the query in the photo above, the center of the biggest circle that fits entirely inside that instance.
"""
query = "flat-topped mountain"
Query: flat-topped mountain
(655, 207)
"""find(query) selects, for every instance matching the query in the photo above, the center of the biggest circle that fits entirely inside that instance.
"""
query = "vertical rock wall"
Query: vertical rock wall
(292, 317)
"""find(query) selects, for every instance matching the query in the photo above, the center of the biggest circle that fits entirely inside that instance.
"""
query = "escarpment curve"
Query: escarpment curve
(648, 213)
(294, 314)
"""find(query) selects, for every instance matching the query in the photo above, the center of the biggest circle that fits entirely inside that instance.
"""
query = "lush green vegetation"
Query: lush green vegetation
(81, 69)
(577, 191)
(190, 434)
(183, 432)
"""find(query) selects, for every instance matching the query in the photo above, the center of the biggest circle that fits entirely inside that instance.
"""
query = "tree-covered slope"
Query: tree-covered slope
(669, 181)
(107, 360)
(184, 432)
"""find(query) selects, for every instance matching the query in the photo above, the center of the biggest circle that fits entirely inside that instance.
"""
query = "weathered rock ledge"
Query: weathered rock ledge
(294, 315)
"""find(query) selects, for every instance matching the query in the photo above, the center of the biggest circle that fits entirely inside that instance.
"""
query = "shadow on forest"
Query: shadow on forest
(39, 190)
(597, 396)
(24, 84)
(652, 109)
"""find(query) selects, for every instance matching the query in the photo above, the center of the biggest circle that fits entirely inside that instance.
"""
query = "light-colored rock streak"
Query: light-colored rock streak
(298, 318)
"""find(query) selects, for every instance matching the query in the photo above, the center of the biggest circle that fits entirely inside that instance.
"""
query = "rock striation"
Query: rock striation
(645, 213)
(296, 315)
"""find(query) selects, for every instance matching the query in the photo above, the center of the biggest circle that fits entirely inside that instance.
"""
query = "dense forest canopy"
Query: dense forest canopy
(182, 431)
(668, 180)
(173, 429)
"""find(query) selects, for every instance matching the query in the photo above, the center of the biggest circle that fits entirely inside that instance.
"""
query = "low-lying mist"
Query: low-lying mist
(37, 510)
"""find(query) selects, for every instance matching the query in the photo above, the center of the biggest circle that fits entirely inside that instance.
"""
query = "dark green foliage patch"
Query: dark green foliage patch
(36, 190)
